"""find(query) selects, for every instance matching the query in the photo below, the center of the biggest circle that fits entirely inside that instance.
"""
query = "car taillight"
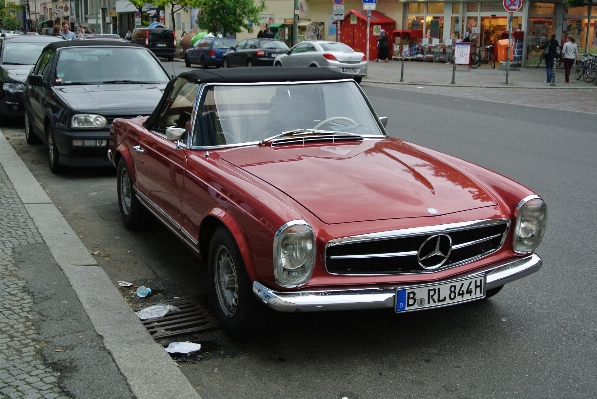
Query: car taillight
(260, 53)
(212, 53)
(329, 56)
(146, 38)
(364, 58)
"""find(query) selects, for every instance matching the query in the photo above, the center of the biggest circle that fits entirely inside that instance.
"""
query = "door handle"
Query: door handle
(138, 148)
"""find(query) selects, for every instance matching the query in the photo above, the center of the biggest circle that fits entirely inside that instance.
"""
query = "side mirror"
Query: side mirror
(384, 120)
(36, 80)
(174, 133)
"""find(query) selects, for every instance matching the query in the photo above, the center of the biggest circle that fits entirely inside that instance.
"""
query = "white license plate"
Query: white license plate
(161, 44)
(439, 295)
(350, 70)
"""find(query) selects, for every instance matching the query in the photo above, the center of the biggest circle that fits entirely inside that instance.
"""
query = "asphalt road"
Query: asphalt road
(536, 339)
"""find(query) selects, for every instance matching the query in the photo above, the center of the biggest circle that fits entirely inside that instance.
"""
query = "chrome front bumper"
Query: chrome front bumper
(496, 274)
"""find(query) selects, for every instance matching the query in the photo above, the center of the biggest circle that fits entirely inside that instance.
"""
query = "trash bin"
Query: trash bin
(503, 50)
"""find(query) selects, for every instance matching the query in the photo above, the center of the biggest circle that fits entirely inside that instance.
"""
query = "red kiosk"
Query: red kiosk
(353, 31)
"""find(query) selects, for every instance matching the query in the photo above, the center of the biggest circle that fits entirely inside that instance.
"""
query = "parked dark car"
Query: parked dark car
(254, 52)
(227, 162)
(17, 55)
(208, 51)
(78, 87)
(159, 40)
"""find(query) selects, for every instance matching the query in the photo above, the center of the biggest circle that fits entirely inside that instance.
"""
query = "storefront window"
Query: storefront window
(492, 7)
(593, 34)
(435, 8)
(472, 7)
(455, 8)
(415, 8)
(582, 11)
(540, 29)
(415, 22)
(542, 9)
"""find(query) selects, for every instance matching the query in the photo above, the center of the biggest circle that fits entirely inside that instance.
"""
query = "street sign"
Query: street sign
(369, 1)
(511, 5)
(369, 4)
(338, 7)
(338, 16)
(338, 2)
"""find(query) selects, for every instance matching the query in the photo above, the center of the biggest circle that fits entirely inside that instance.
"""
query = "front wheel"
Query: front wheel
(133, 214)
(53, 154)
(30, 136)
(237, 309)
(492, 61)
(249, 63)
(579, 70)
(187, 63)
(278, 64)
(590, 73)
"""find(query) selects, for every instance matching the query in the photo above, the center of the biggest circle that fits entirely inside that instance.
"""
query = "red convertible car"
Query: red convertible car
(286, 184)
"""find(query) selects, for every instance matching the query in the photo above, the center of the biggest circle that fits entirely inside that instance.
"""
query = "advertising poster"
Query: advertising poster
(331, 25)
(462, 54)
(266, 20)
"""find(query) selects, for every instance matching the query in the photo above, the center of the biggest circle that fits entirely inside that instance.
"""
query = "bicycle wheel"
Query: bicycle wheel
(590, 72)
(579, 70)
(491, 61)
(558, 63)
(475, 60)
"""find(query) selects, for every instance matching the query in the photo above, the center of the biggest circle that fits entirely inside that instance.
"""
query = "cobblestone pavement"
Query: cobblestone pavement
(526, 86)
(22, 370)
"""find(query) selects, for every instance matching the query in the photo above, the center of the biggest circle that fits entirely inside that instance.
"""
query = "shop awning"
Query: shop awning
(376, 16)
(44, 21)
(276, 26)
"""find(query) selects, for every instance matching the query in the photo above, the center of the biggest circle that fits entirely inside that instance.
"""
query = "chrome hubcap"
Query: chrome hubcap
(226, 281)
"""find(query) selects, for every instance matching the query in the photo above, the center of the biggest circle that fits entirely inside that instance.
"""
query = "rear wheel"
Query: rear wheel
(492, 61)
(579, 70)
(203, 63)
(238, 311)
(475, 61)
(186, 61)
(133, 214)
(53, 154)
(590, 73)
(278, 64)
(30, 136)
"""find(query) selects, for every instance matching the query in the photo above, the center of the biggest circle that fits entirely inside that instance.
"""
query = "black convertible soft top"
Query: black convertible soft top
(248, 75)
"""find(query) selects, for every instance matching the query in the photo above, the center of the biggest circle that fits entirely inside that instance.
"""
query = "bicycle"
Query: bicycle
(476, 58)
(558, 62)
(587, 68)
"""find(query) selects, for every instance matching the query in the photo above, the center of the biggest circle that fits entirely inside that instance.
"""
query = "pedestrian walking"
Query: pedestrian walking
(81, 33)
(382, 47)
(66, 32)
(260, 34)
(569, 53)
(550, 51)
(268, 34)
(127, 36)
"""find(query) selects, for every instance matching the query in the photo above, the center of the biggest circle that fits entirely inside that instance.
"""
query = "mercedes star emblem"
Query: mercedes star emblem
(435, 251)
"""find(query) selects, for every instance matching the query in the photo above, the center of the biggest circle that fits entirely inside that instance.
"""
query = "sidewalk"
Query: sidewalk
(440, 74)
(65, 330)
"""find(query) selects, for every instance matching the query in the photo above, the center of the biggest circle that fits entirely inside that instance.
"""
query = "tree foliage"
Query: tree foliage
(139, 4)
(576, 3)
(9, 15)
(175, 6)
(227, 16)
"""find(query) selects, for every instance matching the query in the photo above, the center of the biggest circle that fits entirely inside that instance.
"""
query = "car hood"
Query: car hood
(115, 99)
(17, 73)
(369, 180)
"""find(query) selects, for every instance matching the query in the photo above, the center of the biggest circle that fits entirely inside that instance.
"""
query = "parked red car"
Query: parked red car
(286, 184)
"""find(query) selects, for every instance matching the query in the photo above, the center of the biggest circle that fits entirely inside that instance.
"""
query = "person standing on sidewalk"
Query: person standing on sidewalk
(66, 32)
(382, 46)
(569, 53)
(550, 48)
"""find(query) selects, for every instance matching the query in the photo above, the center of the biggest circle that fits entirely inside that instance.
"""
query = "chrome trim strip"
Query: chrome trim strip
(496, 274)
(386, 255)
(163, 216)
(470, 243)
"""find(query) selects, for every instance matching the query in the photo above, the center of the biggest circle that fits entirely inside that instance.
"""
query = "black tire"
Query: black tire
(53, 154)
(492, 292)
(30, 136)
(492, 61)
(225, 63)
(170, 58)
(475, 61)
(579, 70)
(591, 73)
(358, 79)
(203, 63)
(187, 63)
(231, 292)
(133, 213)
(249, 63)
(278, 64)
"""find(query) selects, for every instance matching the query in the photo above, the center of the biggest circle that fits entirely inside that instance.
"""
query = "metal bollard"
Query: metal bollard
(402, 70)
(453, 73)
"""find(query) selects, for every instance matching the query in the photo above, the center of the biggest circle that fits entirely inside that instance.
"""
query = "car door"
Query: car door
(36, 94)
(159, 162)
(249, 49)
(296, 55)
(311, 55)
(205, 46)
(233, 56)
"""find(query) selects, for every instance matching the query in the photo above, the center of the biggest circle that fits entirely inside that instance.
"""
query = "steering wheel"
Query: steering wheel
(335, 118)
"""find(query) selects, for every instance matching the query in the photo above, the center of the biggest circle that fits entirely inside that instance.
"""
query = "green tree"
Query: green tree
(227, 16)
(9, 15)
(175, 6)
(139, 4)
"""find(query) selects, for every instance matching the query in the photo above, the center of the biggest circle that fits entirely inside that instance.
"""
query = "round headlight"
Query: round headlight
(13, 87)
(294, 253)
(531, 221)
(88, 121)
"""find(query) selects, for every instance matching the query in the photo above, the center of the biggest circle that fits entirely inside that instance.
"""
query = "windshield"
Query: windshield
(237, 114)
(331, 46)
(22, 53)
(224, 43)
(274, 44)
(93, 65)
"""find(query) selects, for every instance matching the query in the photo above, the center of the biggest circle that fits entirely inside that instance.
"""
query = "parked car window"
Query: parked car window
(242, 44)
(224, 43)
(310, 47)
(177, 110)
(331, 46)
(250, 44)
(299, 48)
(44, 58)
(21, 53)
(274, 44)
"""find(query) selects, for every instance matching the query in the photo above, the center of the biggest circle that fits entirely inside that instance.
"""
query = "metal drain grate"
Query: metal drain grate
(196, 314)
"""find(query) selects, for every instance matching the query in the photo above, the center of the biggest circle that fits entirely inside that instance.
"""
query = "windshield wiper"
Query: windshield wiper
(302, 133)
(126, 81)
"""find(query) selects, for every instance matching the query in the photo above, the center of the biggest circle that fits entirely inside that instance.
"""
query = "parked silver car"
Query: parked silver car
(325, 54)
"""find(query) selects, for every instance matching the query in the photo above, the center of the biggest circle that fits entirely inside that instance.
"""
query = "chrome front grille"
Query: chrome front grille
(397, 252)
